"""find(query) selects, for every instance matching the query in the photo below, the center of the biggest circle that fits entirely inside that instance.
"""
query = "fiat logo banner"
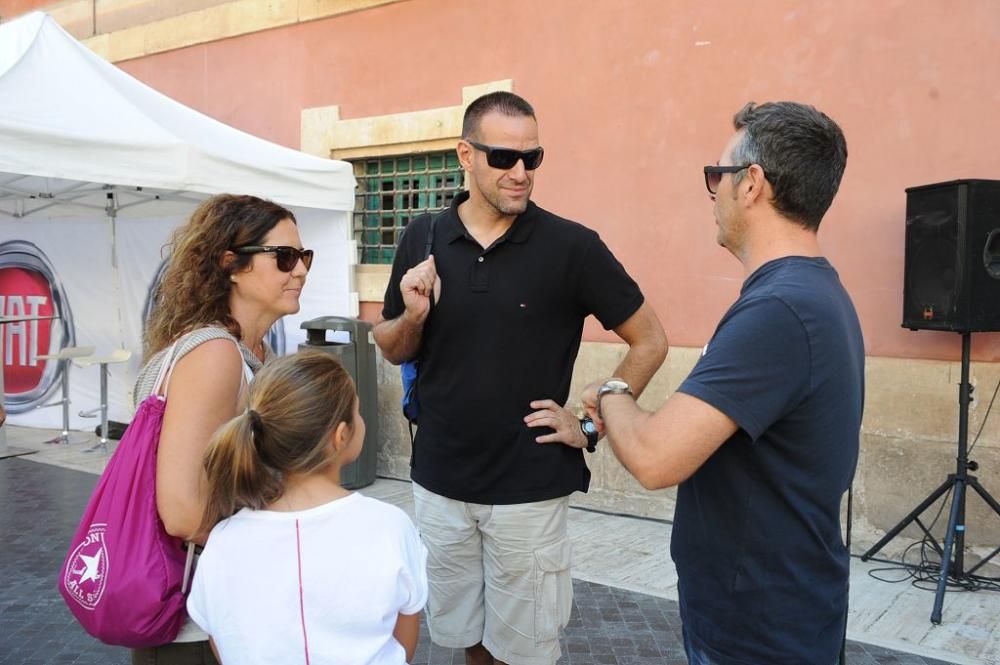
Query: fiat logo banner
(29, 287)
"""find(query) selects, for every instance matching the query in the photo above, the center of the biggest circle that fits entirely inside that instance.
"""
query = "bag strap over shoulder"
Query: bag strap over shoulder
(170, 358)
(166, 367)
(188, 566)
(430, 244)
(180, 348)
(247, 372)
(430, 237)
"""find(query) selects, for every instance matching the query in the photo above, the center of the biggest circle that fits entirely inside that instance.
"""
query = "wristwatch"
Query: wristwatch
(589, 430)
(611, 387)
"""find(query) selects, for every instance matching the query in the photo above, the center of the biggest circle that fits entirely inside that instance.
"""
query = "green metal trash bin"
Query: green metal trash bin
(356, 352)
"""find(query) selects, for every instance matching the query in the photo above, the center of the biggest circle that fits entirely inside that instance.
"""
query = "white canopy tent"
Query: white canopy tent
(96, 169)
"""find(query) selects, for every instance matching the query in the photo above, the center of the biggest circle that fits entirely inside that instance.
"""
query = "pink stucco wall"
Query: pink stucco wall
(12, 8)
(634, 97)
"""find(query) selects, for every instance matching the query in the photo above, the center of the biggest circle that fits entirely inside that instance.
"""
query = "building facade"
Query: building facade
(633, 98)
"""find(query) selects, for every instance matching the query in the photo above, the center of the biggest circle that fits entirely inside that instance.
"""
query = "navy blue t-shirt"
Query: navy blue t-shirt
(757, 541)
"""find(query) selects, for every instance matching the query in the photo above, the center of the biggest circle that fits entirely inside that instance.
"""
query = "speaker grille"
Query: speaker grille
(932, 284)
(952, 268)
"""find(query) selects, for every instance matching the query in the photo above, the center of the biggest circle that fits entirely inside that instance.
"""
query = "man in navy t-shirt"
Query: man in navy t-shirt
(762, 437)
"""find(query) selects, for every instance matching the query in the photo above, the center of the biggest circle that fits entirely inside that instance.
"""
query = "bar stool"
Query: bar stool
(117, 356)
(64, 357)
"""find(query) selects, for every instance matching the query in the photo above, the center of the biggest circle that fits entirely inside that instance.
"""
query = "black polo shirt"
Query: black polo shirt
(505, 331)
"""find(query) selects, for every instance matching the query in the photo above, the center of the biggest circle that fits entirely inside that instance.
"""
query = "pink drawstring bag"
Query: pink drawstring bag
(124, 578)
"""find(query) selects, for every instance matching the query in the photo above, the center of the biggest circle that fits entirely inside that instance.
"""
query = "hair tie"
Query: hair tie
(255, 420)
(256, 427)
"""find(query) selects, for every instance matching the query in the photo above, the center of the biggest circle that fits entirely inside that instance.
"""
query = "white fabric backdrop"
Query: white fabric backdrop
(107, 309)
(79, 136)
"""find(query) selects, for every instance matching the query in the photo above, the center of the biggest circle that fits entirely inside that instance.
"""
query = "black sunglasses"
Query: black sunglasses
(506, 158)
(287, 257)
(713, 175)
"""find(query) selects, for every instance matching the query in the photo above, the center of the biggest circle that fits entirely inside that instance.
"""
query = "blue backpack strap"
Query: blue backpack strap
(430, 237)
(430, 246)
(408, 369)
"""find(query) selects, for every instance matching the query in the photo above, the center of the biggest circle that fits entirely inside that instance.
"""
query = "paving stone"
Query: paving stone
(41, 504)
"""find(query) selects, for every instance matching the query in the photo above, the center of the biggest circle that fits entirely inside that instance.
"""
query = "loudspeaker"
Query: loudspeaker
(951, 277)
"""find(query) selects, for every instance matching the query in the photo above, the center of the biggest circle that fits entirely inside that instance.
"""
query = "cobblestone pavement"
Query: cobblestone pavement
(40, 506)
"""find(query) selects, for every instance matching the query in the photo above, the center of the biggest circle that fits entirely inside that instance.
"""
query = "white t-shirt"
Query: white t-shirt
(362, 564)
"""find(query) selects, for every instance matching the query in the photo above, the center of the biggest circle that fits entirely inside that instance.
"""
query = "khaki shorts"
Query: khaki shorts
(498, 575)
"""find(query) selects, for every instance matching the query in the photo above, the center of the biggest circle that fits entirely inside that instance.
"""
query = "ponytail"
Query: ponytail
(296, 403)
(237, 476)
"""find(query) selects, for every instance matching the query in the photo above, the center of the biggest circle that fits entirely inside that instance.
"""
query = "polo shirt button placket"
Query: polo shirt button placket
(480, 275)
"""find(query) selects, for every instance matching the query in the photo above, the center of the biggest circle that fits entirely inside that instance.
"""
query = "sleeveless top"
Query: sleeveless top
(144, 384)
(187, 343)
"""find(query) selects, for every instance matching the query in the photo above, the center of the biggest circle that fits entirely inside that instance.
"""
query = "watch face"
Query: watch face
(614, 385)
(589, 427)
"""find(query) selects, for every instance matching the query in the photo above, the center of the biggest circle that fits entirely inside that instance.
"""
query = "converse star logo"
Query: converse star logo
(87, 571)
(91, 563)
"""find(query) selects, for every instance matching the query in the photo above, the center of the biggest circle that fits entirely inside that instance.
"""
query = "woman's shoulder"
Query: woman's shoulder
(210, 351)
(214, 366)
(195, 338)
(186, 343)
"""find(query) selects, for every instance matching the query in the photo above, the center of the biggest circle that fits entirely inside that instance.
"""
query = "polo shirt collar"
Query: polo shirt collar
(518, 232)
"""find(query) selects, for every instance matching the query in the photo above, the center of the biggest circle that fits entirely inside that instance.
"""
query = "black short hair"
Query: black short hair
(506, 103)
(802, 151)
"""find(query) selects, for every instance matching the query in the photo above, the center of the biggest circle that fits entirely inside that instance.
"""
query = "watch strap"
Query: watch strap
(591, 433)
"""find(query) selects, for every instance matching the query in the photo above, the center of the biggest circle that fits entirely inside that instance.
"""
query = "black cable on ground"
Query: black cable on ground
(925, 573)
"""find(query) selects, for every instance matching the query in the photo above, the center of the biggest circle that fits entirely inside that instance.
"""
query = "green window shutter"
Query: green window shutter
(392, 191)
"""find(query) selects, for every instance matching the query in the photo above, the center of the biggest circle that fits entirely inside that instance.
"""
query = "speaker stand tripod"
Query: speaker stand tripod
(958, 482)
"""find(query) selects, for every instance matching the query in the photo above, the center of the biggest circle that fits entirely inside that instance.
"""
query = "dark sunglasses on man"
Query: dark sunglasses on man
(713, 176)
(286, 257)
(506, 158)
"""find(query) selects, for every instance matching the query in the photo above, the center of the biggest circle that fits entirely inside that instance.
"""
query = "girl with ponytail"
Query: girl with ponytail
(296, 568)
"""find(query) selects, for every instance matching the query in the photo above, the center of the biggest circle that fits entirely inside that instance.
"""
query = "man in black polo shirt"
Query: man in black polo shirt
(763, 434)
(496, 454)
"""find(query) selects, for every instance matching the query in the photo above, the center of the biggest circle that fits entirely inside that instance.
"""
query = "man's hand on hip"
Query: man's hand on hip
(566, 426)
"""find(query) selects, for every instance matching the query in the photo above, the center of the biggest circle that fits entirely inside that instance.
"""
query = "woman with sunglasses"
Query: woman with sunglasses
(235, 268)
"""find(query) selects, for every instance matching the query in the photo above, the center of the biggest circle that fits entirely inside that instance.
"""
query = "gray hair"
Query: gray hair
(802, 151)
